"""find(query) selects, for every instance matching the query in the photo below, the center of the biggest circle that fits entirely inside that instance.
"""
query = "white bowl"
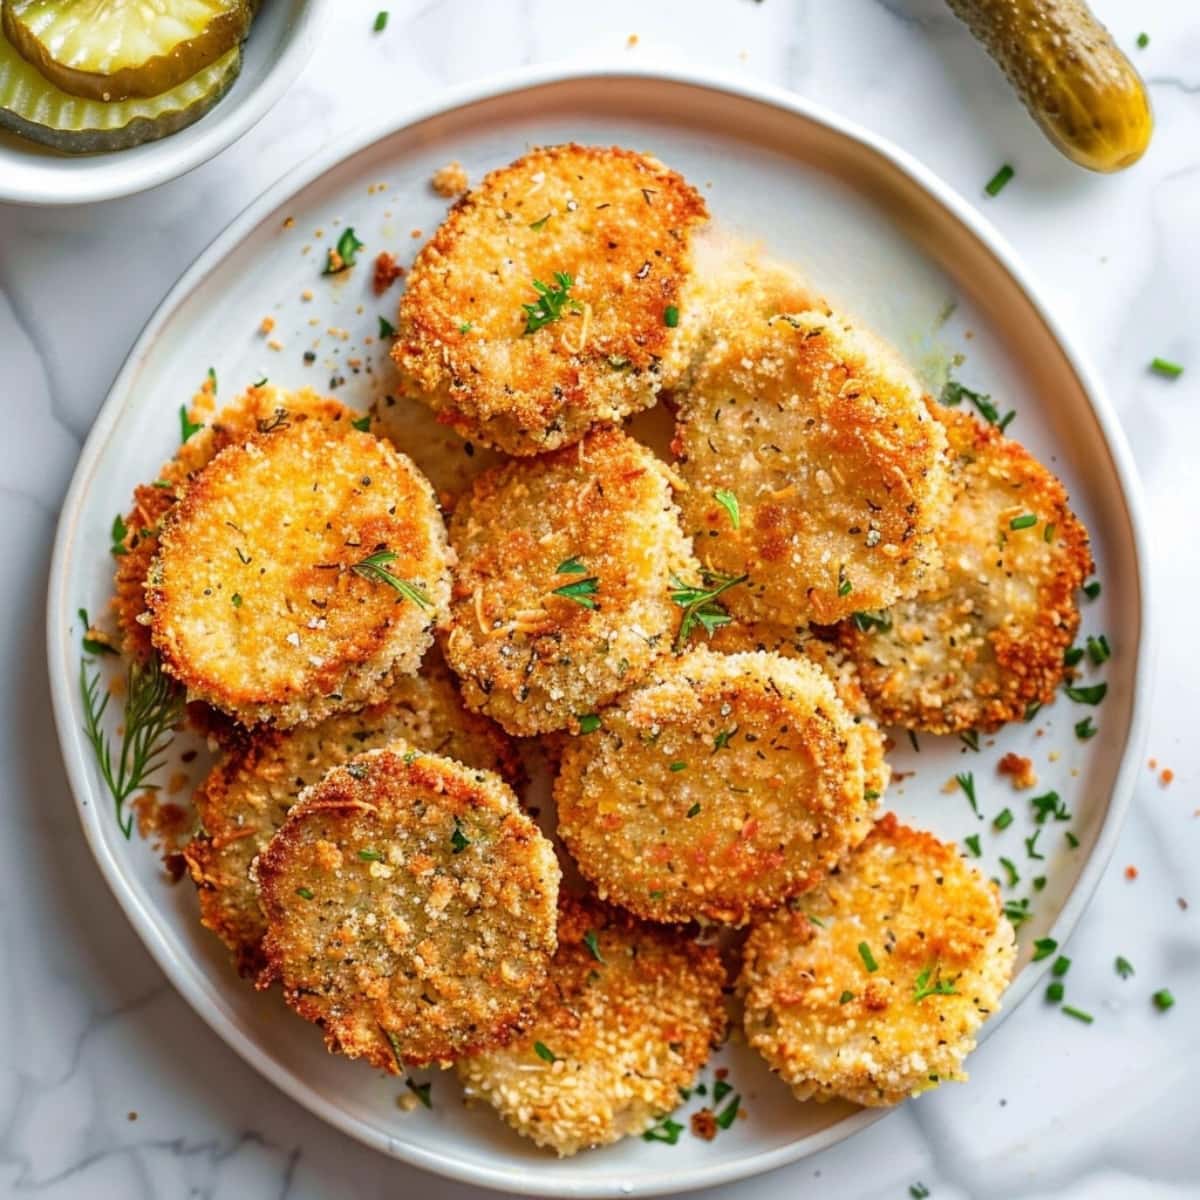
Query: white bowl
(878, 233)
(281, 41)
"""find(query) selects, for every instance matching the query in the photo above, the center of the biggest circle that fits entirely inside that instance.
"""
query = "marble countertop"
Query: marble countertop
(111, 1087)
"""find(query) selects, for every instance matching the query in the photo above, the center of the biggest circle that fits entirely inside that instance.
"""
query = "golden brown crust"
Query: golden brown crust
(830, 1026)
(618, 224)
(258, 411)
(721, 787)
(986, 640)
(248, 794)
(598, 517)
(410, 909)
(824, 438)
(254, 603)
(629, 1013)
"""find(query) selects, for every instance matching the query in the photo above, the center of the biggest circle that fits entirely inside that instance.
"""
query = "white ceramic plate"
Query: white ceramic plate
(281, 41)
(878, 234)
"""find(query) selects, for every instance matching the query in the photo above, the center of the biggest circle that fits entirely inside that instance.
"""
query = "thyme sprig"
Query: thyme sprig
(374, 568)
(700, 602)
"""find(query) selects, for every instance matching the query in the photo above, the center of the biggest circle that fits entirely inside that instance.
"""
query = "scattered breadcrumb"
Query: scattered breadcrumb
(450, 180)
(631, 40)
(704, 1124)
(1019, 769)
(387, 271)
(266, 325)
(1167, 776)
(1131, 872)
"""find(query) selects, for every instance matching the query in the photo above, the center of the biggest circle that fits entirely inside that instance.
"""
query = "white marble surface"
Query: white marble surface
(93, 1031)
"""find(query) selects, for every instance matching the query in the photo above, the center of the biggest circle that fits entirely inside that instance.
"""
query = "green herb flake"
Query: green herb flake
(187, 427)
(1078, 1014)
(381, 20)
(553, 300)
(678, 765)
(954, 393)
(1073, 656)
(540, 224)
(1087, 695)
(671, 316)
(912, 737)
(722, 739)
(1092, 590)
(571, 566)
(1039, 883)
(721, 1089)
(305, 893)
(973, 845)
(939, 986)
(465, 327)
(1143, 40)
(1003, 819)
(727, 1115)
(999, 181)
(1048, 532)
(970, 739)
(1055, 991)
(1049, 805)
(374, 568)
(700, 603)
(845, 997)
(458, 840)
(420, 1090)
(666, 1131)
(815, 921)
(386, 328)
(1031, 846)
(694, 811)
(966, 781)
(1010, 870)
(1043, 948)
(1123, 967)
(845, 587)
(729, 502)
(1166, 368)
(1098, 649)
(1025, 521)
(544, 1052)
(369, 855)
(1072, 840)
(345, 255)
(580, 590)
(588, 722)
(864, 952)
(363, 423)
(918, 1191)
(236, 600)
(1085, 729)
(592, 943)
(1062, 964)
(92, 645)
(1163, 1000)
(1032, 709)
(864, 622)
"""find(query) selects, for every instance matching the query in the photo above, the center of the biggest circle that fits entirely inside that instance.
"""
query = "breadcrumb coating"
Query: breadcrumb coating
(561, 599)
(724, 785)
(628, 1017)
(410, 909)
(246, 797)
(258, 411)
(617, 225)
(824, 440)
(985, 640)
(873, 987)
(261, 597)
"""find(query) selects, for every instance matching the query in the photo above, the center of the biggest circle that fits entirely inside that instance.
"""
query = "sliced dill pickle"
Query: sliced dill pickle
(118, 49)
(33, 107)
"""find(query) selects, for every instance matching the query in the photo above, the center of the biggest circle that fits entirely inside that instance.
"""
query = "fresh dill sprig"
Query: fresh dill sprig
(374, 568)
(154, 704)
(699, 603)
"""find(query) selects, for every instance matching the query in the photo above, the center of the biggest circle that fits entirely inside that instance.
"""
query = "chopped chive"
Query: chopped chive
(370, 856)
(1043, 948)
(1031, 845)
(381, 19)
(693, 811)
(678, 765)
(1049, 805)
(590, 941)
(1039, 883)
(1062, 964)
(571, 566)
(970, 739)
(721, 1089)
(845, 997)
(1025, 521)
(544, 1052)
(1163, 366)
(1003, 819)
(939, 987)
(1017, 911)
(458, 840)
(588, 722)
(1048, 532)
(187, 427)
(665, 1131)
(966, 781)
(1123, 967)
(1032, 709)
(1092, 590)
(1143, 40)
(212, 379)
(420, 1090)
(918, 1191)
(671, 316)
(305, 893)
(236, 600)
(386, 328)
(465, 327)
(363, 423)
(727, 1116)
(1085, 729)
(912, 737)
(999, 181)
(870, 794)
(1073, 656)
(973, 845)
(1055, 991)
(722, 739)
(1072, 840)
(1010, 869)
(864, 952)
(729, 502)
(1078, 1014)
(1098, 649)
(1163, 999)
(845, 587)
(540, 224)
(344, 256)
(864, 622)
(1087, 695)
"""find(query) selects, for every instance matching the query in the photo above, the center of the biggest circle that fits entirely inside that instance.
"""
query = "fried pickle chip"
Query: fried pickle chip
(547, 299)
(410, 909)
(724, 785)
(986, 639)
(814, 470)
(561, 598)
(627, 1018)
(301, 573)
(248, 794)
(873, 987)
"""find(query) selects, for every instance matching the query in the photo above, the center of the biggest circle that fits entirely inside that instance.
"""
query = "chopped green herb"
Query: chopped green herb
(370, 856)
(845, 587)
(588, 722)
(1087, 695)
(1055, 991)
(92, 645)
(236, 600)
(420, 1090)
(186, 426)
(815, 921)
(381, 19)
(386, 328)
(1003, 819)
(1092, 590)
(864, 622)
(918, 1191)
(1048, 532)
(1010, 869)
(1078, 1014)
(1073, 656)
(1085, 729)
(1143, 40)
(729, 502)
(1072, 840)
(1062, 964)
(363, 423)
(465, 327)
(1163, 366)
(721, 1089)
(1039, 883)
(722, 739)
(571, 566)
(864, 952)
(870, 794)
(580, 590)
(671, 316)
(1032, 709)
(1123, 967)
(939, 987)
(999, 181)
(1163, 999)
(912, 737)
(540, 224)
(345, 255)
(374, 567)
(955, 393)
(846, 997)
(1031, 845)
(1043, 948)
(551, 302)
(1098, 649)
(727, 1116)
(666, 1131)
(699, 603)
(260, 382)
(678, 766)
(973, 845)
(693, 811)
(1017, 911)
(458, 840)
(305, 893)
(970, 739)
(212, 379)
(544, 1052)
(593, 945)
(1025, 521)
(966, 781)
(1049, 805)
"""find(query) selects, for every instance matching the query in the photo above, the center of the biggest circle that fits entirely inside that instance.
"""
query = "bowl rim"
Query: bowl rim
(112, 174)
(518, 1179)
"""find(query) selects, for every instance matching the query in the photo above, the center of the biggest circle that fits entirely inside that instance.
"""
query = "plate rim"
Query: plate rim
(100, 177)
(304, 174)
